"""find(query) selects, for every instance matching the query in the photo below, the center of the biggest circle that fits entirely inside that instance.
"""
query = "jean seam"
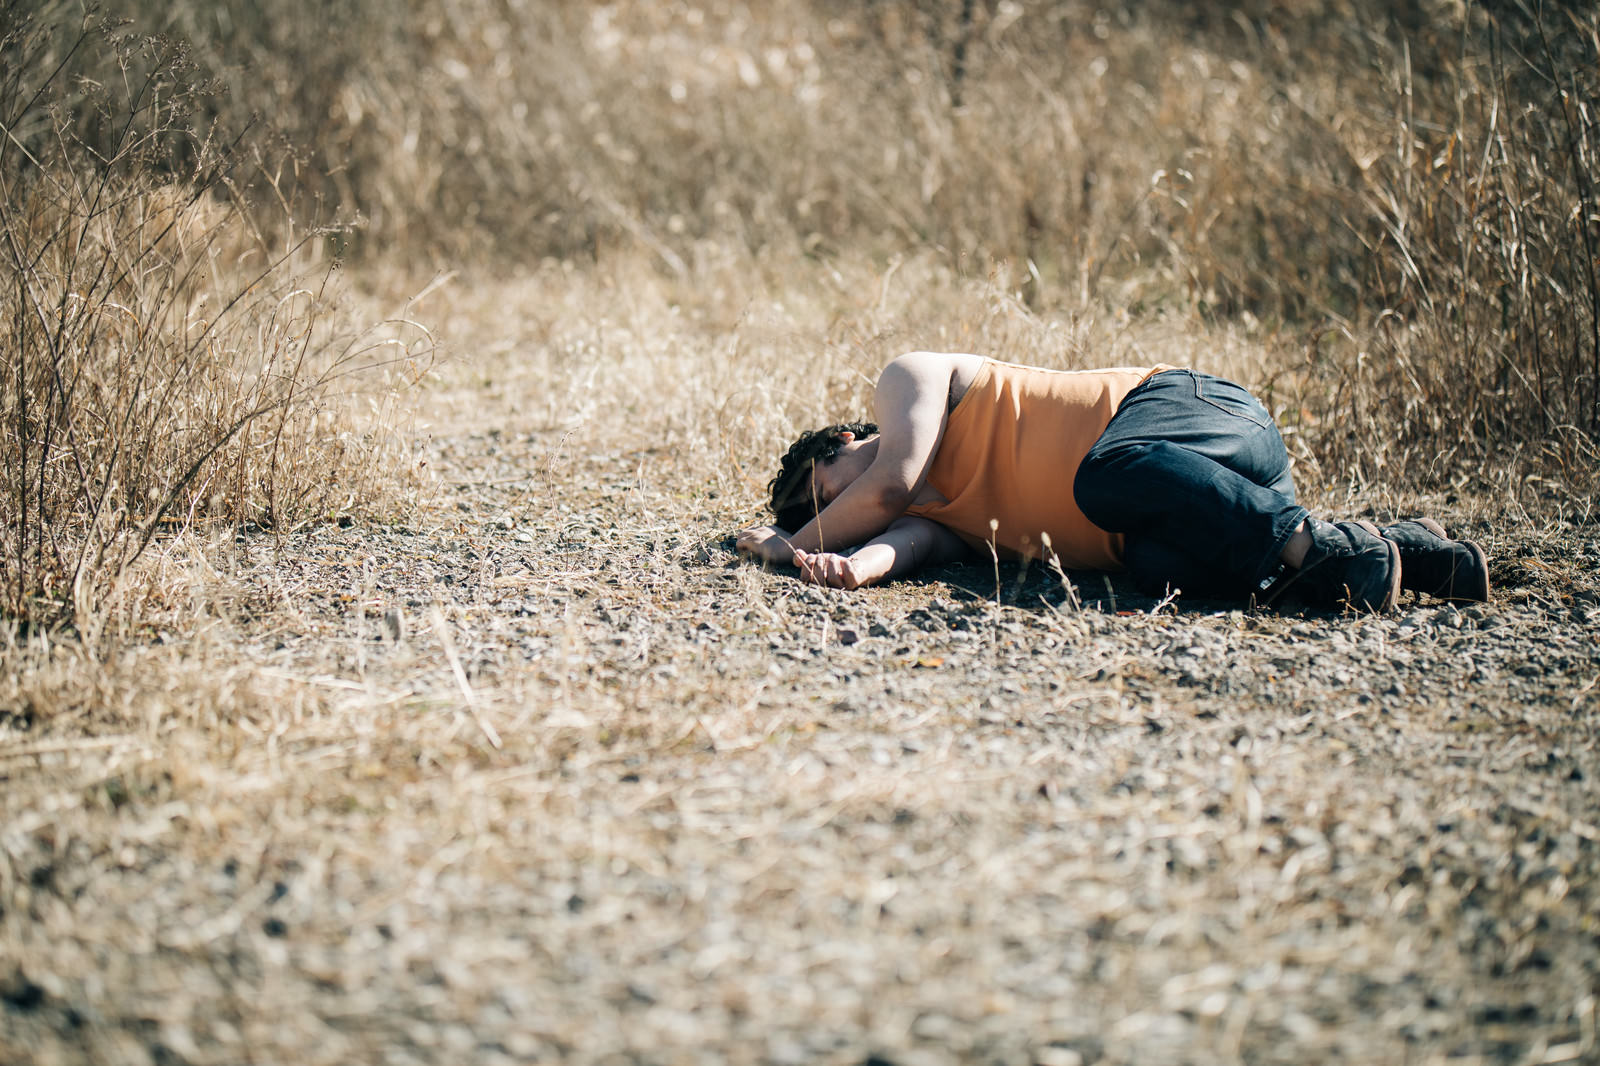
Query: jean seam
(1201, 396)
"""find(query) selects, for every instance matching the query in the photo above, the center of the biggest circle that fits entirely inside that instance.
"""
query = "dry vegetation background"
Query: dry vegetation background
(379, 384)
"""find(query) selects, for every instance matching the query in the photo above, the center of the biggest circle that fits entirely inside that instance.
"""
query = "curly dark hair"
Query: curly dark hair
(793, 504)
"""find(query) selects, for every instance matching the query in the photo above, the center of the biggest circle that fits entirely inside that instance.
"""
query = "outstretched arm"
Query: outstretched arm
(906, 546)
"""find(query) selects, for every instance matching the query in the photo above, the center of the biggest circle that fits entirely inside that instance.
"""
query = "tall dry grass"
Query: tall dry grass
(1482, 302)
(1401, 196)
(165, 359)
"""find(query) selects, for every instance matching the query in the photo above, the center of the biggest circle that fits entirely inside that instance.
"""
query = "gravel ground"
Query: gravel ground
(547, 774)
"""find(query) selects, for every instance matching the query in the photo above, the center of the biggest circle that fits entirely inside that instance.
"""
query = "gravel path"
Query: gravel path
(547, 774)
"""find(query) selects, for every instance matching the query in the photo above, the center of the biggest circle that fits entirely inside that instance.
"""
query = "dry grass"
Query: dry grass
(1412, 212)
(611, 797)
(165, 361)
(521, 765)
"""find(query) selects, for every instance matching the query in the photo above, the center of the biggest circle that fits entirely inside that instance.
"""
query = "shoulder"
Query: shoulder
(945, 375)
(935, 364)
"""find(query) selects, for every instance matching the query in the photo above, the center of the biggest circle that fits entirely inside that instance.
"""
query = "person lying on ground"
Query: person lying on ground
(1179, 477)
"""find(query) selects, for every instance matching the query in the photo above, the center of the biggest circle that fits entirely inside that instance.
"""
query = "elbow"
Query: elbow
(893, 500)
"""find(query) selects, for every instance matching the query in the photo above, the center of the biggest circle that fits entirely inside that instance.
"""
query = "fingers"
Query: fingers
(813, 568)
(819, 568)
(826, 568)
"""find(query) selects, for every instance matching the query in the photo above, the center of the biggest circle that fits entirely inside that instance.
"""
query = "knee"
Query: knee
(1108, 464)
(1101, 481)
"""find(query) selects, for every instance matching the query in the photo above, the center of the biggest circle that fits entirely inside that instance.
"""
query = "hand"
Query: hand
(766, 543)
(827, 568)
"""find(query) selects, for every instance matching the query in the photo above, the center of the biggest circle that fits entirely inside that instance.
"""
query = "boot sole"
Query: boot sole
(1432, 527)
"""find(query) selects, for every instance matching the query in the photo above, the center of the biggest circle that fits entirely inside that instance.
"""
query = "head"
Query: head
(798, 492)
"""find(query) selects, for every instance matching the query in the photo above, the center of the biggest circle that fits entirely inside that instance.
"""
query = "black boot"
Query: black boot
(1433, 564)
(1349, 565)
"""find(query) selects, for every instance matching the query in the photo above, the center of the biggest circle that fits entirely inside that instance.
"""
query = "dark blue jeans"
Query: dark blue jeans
(1193, 473)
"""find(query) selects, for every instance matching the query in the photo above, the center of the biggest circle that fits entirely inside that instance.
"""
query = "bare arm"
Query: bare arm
(912, 403)
(905, 547)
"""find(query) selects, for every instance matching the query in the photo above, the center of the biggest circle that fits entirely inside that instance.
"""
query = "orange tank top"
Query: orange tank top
(1010, 451)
